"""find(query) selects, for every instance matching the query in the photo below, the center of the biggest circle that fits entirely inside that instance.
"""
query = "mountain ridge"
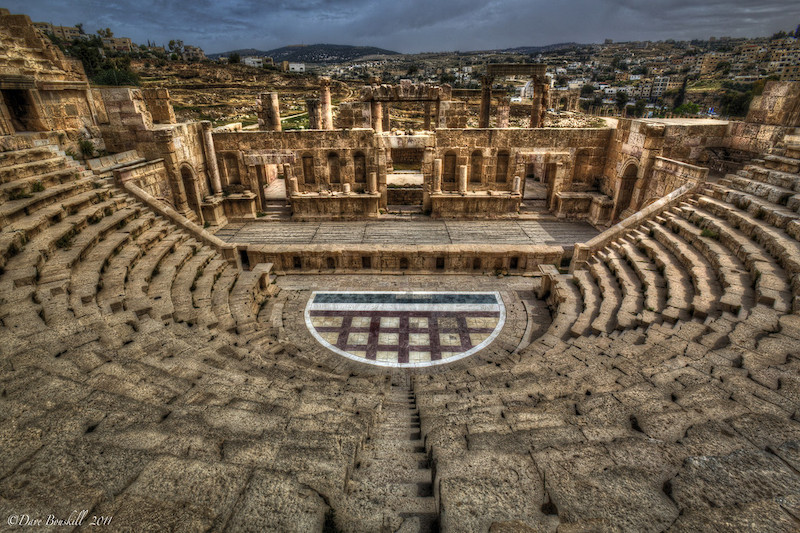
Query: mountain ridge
(312, 53)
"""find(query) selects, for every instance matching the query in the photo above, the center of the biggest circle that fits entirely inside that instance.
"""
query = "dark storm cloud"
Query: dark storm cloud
(415, 25)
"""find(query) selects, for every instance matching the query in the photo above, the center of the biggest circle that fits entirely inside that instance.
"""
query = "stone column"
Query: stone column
(269, 116)
(517, 185)
(314, 116)
(325, 103)
(427, 118)
(386, 123)
(211, 157)
(437, 175)
(377, 116)
(372, 185)
(292, 187)
(537, 108)
(486, 101)
(503, 113)
(462, 179)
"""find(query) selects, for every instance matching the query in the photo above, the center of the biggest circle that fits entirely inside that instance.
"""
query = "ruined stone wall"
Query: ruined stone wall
(311, 151)
(778, 105)
(353, 115)
(151, 177)
(669, 175)
(753, 138)
(129, 125)
(159, 105)
(525, 148)
(637, 143)
(42, 90)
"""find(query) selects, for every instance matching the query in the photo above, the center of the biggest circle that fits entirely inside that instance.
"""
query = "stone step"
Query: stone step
(610, 296)
(14, 210)
(220, 299)
(87, 276)
(35, 168)
(652, 282)
(632, 308)
(680, 290)
(566, 303)
(136, 288)
(26, 155)
(590, 293)
(731, 272)
(784, 164)
(707, 290)
(111, 296)
(159, 288)
(771, 283)
(185, 283)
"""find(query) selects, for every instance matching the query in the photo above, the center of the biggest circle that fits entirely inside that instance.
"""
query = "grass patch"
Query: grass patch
(710, 234)
(295, 123)
(18, 194)
(65, 241)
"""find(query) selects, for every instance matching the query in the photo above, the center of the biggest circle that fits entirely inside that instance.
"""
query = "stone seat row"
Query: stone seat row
(145, 345)
(670, 366)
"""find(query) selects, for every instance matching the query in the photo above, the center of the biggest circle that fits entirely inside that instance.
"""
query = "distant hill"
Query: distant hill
(540, 49)
(312, 53)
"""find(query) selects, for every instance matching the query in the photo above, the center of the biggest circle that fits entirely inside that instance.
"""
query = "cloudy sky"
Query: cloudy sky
(411, 26)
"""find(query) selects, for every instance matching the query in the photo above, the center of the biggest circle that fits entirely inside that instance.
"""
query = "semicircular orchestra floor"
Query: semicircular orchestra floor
(410, 321)
(405, 328)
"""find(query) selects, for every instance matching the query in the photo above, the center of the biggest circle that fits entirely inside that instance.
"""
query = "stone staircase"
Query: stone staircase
(391, 486)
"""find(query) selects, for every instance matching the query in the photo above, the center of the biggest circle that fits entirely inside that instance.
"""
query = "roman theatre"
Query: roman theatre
(356, 327)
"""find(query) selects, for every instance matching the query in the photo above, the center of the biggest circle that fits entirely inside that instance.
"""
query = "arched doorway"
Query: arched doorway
(626, 189)
(190, 186)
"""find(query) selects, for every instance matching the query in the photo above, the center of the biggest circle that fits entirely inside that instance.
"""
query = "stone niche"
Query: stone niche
(334, 206)
(475, 205)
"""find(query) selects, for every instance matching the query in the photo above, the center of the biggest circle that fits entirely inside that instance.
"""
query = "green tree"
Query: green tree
(681, 96)
(638, 109)
(234, 58)
(689, 108)
(622, 100)
(105, 33)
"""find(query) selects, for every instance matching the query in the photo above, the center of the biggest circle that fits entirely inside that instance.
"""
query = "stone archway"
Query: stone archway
(627, 185)
(192, 195)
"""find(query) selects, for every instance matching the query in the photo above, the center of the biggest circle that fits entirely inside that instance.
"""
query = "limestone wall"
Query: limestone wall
(311, 259)
(43, 90)
(311, 155)
(528, 150)
(150, 176)
(669, 175)
(754, 138)
(635, 146)
(778, 105)
(129, 125)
